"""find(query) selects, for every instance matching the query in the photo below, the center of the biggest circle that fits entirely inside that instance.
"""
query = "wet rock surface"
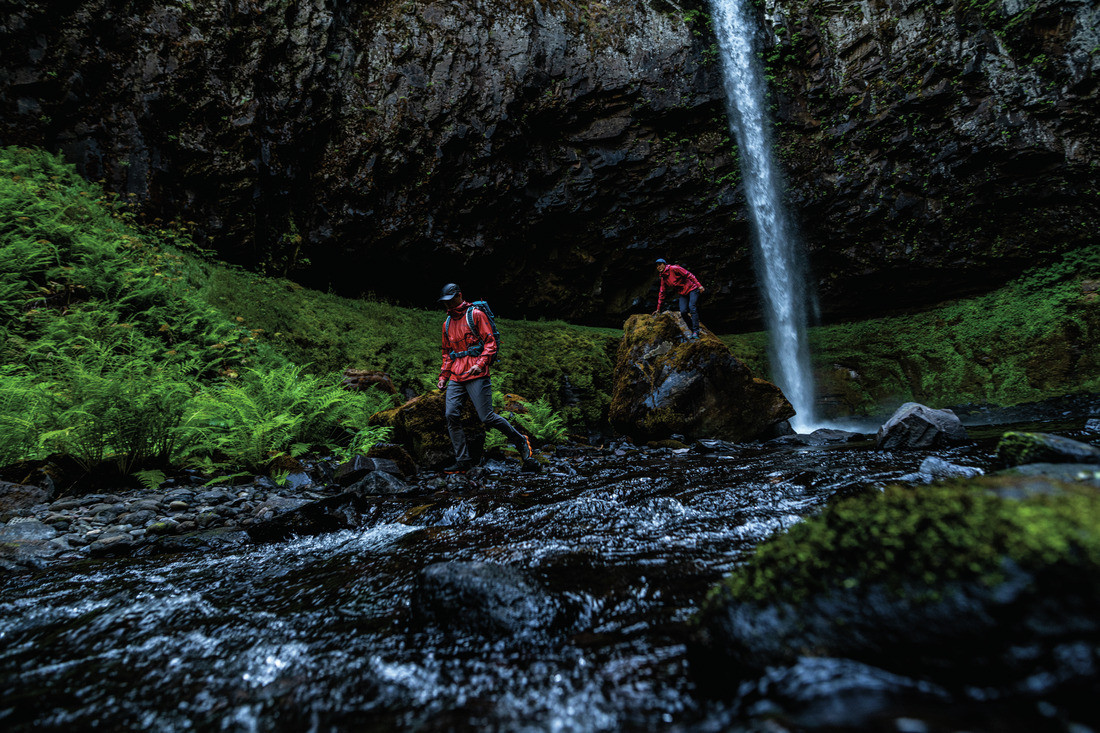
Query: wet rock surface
(626, 540)
(1019, 448)
(485, 598)
(667, 384)
(915, 426)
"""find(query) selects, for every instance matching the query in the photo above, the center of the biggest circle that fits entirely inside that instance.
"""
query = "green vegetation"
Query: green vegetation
(1035, 338)
(924, 536)
(332, 333)
(120, 347)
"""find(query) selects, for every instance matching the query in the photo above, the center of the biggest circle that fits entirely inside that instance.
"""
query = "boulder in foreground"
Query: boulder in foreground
(665, 385)
(954, 584)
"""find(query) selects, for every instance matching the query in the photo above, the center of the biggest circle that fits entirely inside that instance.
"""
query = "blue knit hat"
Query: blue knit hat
(661, 262)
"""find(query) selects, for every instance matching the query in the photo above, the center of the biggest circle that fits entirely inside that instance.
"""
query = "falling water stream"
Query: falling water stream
(780, 265)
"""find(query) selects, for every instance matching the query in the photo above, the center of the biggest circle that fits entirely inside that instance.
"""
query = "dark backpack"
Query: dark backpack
(476, 349)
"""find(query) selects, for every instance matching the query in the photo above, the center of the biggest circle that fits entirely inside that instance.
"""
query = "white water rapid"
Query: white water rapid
(780, 267)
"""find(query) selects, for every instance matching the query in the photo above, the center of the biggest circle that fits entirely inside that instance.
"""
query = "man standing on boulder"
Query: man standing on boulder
(467, 354)
(680, 283)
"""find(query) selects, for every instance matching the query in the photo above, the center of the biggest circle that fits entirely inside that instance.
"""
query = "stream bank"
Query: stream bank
(621, 542)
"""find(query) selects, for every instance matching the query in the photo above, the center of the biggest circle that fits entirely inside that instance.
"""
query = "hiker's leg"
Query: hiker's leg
(481, 393)
(693, 307)
(456, 397)
(684, 312)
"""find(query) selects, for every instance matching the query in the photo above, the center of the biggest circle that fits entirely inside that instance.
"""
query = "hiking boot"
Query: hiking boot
(532, 466)
(526, 452)
(459, 467)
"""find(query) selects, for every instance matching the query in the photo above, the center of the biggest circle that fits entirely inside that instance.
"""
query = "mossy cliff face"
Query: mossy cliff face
(665, 385)
(548, 151)
(951, 583)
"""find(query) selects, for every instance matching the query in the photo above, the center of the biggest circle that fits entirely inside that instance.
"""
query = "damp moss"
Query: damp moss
(926, 536)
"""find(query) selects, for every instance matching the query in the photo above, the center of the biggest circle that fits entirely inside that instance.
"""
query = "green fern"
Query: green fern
(151, 480)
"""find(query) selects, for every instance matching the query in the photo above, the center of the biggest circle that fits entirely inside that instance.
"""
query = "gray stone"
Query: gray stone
(941, 469)
(484, 598)
(298, 480)
(917, 427)
(178, 506)
(138, 517)
(26, 530)
(112, 544)
(21, 496)
(163, 527)
(1070, 473)
(380, 483)
(1017, 448)
(214, 496)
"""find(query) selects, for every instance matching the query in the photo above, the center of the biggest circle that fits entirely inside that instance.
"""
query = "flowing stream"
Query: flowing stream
(318, 633)
(780, 262)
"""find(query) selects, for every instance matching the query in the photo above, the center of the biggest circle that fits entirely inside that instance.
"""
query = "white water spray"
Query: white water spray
(780, 267)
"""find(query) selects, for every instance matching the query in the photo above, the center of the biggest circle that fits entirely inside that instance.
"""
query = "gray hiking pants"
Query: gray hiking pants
(689, 309)
(480, 392)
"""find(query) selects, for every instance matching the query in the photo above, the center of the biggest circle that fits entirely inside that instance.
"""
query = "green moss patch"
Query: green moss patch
(1036, 338)
(930, 536)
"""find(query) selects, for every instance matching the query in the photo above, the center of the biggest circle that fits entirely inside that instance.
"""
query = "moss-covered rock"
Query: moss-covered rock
(665, 384)
(1019, 448)
(420, 427)
(953, 583)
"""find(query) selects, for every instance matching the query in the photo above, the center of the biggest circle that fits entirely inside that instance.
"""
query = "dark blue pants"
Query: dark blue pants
(689, 305)
(480, 392)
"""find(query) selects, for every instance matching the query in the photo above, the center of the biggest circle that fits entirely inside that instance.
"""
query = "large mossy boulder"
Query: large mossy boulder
(420, 427)
(666, 384)
(953, 584)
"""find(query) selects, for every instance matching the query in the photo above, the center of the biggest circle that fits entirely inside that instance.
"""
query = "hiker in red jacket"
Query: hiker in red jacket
(680, 283)
(467, 354)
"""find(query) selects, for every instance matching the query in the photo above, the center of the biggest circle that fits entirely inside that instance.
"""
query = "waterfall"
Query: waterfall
(780, 267)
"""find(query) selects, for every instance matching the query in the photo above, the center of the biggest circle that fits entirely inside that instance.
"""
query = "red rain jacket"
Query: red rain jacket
(458, 337)
(679, 282)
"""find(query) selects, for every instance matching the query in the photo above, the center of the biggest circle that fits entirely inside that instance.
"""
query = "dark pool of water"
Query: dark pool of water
(315, 633)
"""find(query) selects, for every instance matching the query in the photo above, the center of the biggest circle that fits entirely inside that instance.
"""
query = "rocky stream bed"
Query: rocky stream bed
(564, 602)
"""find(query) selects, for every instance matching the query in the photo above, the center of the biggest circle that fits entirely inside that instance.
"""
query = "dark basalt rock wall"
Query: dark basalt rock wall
(939, 146)
(545, 153)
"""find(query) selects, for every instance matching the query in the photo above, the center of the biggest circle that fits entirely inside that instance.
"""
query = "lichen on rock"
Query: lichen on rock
(665, 385)
(952, 582)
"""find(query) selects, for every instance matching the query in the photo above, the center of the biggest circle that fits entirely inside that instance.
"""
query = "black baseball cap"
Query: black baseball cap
(449, 291)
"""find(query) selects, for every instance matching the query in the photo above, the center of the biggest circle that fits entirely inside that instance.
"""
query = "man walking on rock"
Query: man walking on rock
(680, 283)
(467, 353)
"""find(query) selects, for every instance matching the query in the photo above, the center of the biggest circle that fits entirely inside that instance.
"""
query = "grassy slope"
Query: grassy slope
(1035, 338)
(331, 333)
